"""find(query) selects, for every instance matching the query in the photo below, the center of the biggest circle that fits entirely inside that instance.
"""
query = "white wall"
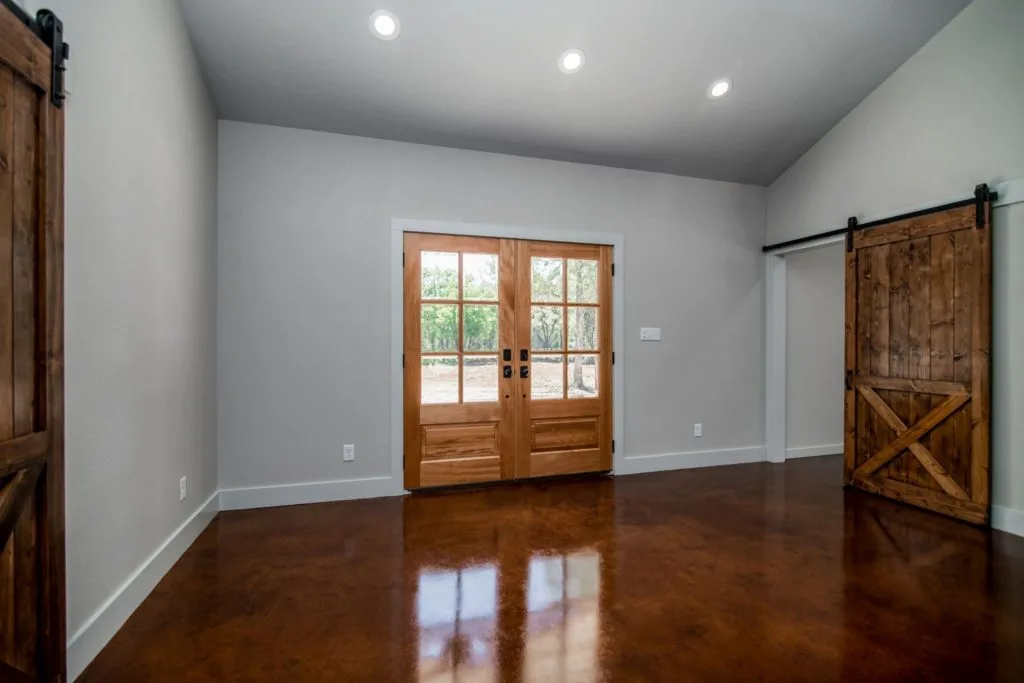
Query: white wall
(949, 118)
(140, 276)
(303, 330)
(815, 300)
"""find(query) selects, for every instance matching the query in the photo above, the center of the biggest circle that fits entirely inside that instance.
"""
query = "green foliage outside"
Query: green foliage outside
(439, 322)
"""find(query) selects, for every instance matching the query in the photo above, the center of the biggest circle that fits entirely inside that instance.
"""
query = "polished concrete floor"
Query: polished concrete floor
(746, 573)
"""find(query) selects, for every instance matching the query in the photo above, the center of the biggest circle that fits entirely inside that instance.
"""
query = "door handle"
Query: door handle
(507, 372)
(524, 355)
(524, 371)
(506, 355)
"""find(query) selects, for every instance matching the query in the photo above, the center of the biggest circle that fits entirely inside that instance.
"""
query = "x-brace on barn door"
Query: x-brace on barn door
(918, 331)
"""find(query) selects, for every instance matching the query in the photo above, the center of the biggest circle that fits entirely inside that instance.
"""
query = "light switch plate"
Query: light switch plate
(650, 334)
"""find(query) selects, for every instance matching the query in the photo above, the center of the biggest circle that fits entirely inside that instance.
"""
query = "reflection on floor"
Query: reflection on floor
(747, 573)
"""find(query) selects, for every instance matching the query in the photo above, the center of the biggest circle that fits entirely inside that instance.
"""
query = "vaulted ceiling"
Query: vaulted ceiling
(483, 74)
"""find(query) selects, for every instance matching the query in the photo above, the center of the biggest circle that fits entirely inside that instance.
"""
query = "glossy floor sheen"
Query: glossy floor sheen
(747, 573)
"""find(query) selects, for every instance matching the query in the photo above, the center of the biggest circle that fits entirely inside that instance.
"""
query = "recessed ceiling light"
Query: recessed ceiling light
(719, 88)
(384, 25)
(571, 61)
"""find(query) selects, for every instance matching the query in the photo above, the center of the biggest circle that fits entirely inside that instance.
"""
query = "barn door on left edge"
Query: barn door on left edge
(32, 629)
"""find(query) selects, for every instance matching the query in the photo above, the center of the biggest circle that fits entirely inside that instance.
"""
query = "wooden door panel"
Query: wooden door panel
(564, 427)
(459, 406)
(917, 342)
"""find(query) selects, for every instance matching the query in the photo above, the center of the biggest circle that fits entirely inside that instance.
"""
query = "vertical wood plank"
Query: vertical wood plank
(7, 600)
(25, 220)
(523, 386)
(7, 154)
(964, 297)
(981, 346)
(879, 433)
(919, 333)
(942, 323)
(865, 306)
(850, 365)
(413, 370)
(899, 342)
(52, 542)
(507, 435)
(605, 345)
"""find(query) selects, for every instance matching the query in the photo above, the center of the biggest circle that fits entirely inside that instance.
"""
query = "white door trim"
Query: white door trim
(1010, 192)
(400, 226)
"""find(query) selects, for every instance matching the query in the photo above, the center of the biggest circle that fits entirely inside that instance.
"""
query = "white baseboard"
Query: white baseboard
(682, 461)
(98, 629)
(814, 451)
(311, 492)
(1007, 519)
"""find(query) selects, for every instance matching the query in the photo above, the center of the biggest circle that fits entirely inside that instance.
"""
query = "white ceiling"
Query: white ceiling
(482, 74)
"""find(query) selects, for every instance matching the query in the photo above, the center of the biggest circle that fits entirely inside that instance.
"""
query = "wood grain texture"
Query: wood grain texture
(459, 441)
(917, 386)
(922, 226)
(899, 342)
(850, 364)
(460, 471)
(923, 456)
(923, 314)
(981, 353)
(23, 52)
(565, 434)
(32, 576)
(51, 311)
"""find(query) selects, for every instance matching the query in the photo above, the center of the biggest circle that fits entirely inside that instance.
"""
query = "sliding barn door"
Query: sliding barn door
(32, 631)
(918, 329)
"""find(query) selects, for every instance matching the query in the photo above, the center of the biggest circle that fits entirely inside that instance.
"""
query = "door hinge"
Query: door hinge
(613, 270)
(849, 380)
(613, 358)
(851, 225)
(613, 445)
(403, 259)
(403, 361)
(53, 36)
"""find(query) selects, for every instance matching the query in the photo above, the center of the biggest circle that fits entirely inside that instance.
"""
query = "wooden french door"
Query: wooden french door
(918, 330)
(507, 355)
(32, 630)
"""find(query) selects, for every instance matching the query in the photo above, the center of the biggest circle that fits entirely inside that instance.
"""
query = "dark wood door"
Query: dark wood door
(918, 330)
(32, 629)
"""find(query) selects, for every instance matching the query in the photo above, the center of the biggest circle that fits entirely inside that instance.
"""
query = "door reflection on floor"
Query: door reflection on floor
(562, 623)
(456, 615)
(496, 591)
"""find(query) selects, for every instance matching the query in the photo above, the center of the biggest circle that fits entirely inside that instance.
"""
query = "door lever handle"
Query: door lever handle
(507, 372)
(524, 371)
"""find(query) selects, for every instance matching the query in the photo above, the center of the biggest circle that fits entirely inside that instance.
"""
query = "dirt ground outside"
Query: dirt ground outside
(440, 382)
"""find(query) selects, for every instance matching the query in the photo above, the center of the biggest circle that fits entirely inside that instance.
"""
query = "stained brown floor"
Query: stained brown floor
(747, 573)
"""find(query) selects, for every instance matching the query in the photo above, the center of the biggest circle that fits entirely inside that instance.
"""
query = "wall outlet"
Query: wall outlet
(698, 429)
(650, 334)
(349, 452)
(183, 489)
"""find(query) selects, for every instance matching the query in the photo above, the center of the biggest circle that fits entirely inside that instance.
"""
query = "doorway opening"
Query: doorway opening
(507, 359)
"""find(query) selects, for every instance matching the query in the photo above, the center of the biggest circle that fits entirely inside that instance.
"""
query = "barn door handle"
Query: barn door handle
(524, 371)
